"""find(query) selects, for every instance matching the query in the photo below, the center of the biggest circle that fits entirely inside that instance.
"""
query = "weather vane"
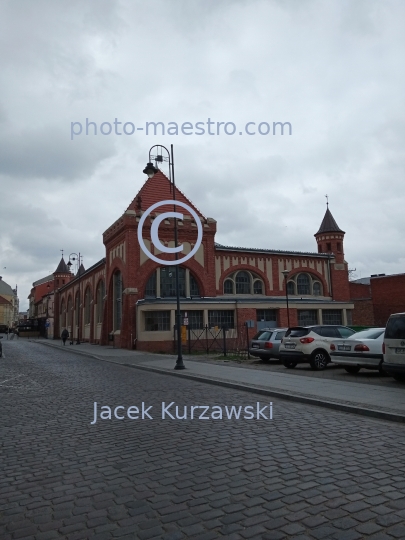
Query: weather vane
(327, 200)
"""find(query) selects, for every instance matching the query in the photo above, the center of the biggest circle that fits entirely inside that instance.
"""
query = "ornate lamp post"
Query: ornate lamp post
(47, 310)
(150, 170)
(285, 274)
(79, 259)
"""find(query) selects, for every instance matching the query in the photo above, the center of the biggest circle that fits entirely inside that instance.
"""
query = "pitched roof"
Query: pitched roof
(221, 247)
(5, 288)
(4, 301)
(329, 224)
(159, 188)
(62, 267)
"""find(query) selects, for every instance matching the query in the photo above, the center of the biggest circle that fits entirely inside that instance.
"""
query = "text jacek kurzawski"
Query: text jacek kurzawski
(171, 411)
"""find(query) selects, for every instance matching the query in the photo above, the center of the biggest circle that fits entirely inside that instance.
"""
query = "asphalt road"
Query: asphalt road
(307, 473)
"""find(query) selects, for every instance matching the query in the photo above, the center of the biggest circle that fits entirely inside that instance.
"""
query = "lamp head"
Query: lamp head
(150, 170)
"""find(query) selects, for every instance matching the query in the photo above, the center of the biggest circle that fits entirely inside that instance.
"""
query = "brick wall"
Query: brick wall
(388, 293)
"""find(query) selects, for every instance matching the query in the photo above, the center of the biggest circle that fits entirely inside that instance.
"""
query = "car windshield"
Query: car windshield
(263, 335)
(395, 327)
(371, 333)
(280, 335)
(297, 332)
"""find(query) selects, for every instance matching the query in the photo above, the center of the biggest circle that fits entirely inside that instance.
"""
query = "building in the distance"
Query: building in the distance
(9, 304)
(376, 297)
(131, 297)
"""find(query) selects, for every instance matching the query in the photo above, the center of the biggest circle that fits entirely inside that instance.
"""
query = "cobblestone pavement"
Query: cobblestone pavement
(308, 473)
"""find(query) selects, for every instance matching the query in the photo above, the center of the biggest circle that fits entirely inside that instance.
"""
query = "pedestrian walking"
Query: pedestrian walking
(65, 335)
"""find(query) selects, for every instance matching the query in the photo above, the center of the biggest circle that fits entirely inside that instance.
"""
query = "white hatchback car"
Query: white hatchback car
(363, 349)
(394, 347)
(310, 344)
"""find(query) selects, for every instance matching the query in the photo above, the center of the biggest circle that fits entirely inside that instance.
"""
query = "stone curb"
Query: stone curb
(382, 415)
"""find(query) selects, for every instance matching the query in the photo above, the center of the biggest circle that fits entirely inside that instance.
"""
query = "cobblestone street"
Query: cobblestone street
(309, 473)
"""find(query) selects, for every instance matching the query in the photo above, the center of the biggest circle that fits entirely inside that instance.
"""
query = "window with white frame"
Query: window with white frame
(243, 282)
(304, 284)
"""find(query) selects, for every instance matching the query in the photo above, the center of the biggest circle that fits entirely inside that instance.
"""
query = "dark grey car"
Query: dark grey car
(266, 343)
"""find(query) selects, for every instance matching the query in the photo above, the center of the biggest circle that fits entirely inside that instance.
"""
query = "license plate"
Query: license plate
(290, 345)
(344, 347)
(400, 351)
(255, 346)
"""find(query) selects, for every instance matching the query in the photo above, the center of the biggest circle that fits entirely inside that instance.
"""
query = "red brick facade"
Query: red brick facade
(130, 296)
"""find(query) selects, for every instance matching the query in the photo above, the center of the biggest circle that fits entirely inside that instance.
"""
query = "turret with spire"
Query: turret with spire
(62, 274)
(330, 236)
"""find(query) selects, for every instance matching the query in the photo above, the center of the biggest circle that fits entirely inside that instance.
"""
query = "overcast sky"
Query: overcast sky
(334, 70)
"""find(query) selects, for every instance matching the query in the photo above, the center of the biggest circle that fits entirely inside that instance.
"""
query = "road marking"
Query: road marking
(16, 377)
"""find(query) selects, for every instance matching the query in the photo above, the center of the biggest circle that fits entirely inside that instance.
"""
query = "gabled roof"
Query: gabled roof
(159, 188)
(62, 267)
(329, 224)
(5, 288)
(4, 301)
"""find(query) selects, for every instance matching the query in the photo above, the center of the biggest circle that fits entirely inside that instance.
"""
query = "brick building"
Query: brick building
(132, 297)
(376, 297)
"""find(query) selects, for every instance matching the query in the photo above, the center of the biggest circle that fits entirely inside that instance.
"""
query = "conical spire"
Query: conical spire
(329, 224)
(62, 268)
(81, 270)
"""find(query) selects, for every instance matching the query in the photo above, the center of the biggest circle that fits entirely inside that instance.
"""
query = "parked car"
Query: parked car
(361, 350)
(3, 329)
(394, 347)
(266, 343)
(310, 344)
(1, 347)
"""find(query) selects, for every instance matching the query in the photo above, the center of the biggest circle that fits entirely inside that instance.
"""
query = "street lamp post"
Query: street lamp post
(150, 170)
(79, 259)
(285, 274)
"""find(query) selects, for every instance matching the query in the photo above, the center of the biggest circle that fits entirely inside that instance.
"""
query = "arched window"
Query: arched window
(194, 289)
(63, 314)
(291, 287)
(69, 312)
(77, 307)
(242, 283)
(228, 286)
(303, 284)
(317, 288)
(258, 287)
(87, 306)
(100, 301)
(117, 299)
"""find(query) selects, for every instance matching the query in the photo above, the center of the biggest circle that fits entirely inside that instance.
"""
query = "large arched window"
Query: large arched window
(162, 283)
(69, 312)
(304, 284)
(77, 307)
(87, 306)
(100, 301)
(243, 282)
(63, 314)
(117, 299)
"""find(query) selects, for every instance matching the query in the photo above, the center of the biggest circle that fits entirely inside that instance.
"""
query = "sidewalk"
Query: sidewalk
(369, 400)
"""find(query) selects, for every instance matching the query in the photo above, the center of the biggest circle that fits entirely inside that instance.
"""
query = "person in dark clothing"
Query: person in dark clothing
(65, 335)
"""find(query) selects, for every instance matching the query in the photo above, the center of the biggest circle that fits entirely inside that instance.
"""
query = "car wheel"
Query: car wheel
(352, 369)
(290, 364)
(399, 377)
(319, 360)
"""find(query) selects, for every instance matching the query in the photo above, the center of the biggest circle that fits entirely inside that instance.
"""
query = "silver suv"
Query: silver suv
(266, 343)
(310, 344)
(394, 347)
